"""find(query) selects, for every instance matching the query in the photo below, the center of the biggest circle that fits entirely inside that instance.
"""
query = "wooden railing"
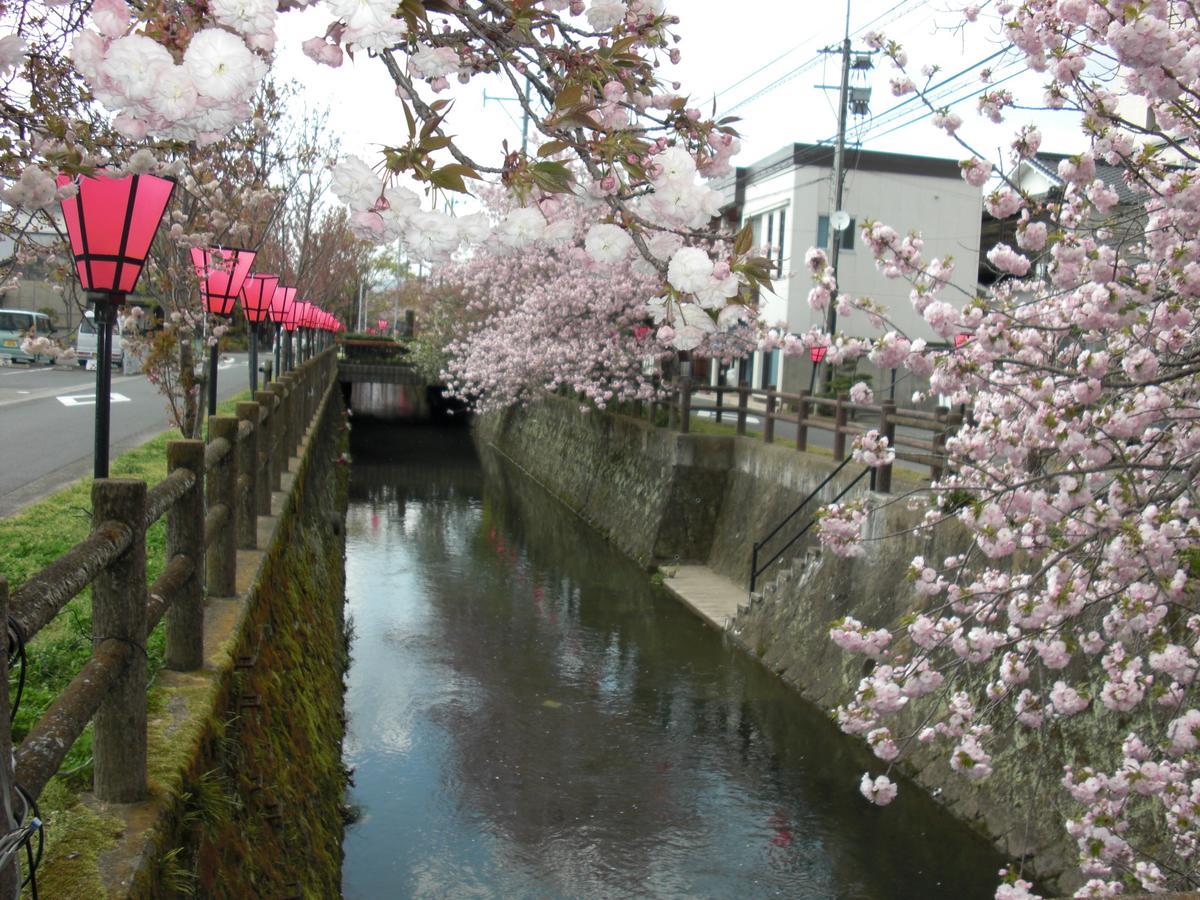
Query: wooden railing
(211, 498)
(808, 413)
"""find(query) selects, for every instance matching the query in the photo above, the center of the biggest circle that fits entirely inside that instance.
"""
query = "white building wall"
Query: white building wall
(947, 212)
(766, 196)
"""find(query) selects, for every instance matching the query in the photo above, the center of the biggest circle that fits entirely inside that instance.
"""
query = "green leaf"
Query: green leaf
(741, 244)
(552, 176)
(551, 147)
(460, 170)
(571, 95)
(451, 181)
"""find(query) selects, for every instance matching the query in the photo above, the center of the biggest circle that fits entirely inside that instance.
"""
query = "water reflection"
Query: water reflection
(529, 718)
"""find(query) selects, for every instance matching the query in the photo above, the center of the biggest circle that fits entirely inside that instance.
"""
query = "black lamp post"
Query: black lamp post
(281, 310)
(256, 301)
(222, 272)
(111, 223)
(816, 354)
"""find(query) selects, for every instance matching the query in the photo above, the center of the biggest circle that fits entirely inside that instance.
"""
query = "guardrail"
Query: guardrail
(772, 406)
(211, 498)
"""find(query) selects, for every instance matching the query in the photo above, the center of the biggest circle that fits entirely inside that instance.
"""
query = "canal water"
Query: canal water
(529, 717)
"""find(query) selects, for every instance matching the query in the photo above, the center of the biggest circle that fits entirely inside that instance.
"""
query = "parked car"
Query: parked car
(15, 326)
(85, 341)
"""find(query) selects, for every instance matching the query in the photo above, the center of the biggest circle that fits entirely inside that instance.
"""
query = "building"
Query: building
(1037, 176)
(787, 199)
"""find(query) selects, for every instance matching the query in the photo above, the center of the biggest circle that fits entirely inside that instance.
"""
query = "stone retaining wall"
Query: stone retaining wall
(664, 497)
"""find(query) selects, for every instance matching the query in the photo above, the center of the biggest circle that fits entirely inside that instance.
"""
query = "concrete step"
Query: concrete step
(711, 596)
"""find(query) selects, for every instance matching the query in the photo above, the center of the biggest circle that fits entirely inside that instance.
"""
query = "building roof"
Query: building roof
(1046, 164)
(796, 156)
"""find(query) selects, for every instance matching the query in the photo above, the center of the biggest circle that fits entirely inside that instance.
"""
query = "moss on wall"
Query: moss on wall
(648, 490)
(245, 770)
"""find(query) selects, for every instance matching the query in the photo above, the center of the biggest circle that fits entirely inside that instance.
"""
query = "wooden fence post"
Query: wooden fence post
(119, 613)
(839, 428)
(222, 490)
(265, 479)
(803, 409)
(769, 417)
(887, 428)
(185, 535)
(10, 876)
(279, 430)
(295, 413)
(247, 463)
(743, 401)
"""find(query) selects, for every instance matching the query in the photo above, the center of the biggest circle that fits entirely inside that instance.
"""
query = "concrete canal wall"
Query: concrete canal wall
(666, 498)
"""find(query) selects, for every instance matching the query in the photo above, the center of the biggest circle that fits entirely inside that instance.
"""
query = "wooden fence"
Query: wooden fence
(211, 498)
(805, 412)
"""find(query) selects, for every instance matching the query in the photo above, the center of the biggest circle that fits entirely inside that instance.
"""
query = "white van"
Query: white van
(86, 340)
(15, 326)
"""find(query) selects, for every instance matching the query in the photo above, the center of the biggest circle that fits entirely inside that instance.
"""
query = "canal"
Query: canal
(530, 717)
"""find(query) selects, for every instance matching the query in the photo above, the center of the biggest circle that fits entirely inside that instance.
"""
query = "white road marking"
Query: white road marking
(90, 399)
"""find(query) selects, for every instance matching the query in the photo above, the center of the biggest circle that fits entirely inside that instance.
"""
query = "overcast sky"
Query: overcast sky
(758, 58)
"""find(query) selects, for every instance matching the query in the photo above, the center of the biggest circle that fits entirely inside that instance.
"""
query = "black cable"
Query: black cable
(35, 825)
(16, 638)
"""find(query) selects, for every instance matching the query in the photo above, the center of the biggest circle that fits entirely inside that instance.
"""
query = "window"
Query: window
(15, 321)
(823, 234)
(770, 235)
(86, 326)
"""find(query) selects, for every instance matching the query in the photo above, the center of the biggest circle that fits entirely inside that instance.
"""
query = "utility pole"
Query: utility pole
(839, 171)
(524, 112)
(838, 221)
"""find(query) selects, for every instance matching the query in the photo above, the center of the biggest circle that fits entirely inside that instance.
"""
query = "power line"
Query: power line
(895, 110)
(974, 92)
(811, 61)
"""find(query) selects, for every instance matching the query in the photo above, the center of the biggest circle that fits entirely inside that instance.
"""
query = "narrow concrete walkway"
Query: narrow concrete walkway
(712, 597)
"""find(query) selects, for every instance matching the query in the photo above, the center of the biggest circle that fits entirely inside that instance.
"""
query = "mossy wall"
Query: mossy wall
(277, 747)
(245, 770)
(648, 490)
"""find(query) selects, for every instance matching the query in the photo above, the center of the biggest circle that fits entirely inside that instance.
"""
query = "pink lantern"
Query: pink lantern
(816, 354)
(222, 272)
(111, 223)
(282, 302)
(961, 338)
(295, 315)
(257, 293)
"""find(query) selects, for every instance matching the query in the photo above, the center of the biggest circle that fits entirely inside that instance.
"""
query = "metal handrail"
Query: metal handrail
(755, 571)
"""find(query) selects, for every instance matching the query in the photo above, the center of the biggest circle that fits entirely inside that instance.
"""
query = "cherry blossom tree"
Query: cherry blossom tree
(1072, 602)
(1075, 474)
(550, 314)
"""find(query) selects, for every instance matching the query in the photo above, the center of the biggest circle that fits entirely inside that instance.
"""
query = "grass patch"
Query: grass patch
(34, 538)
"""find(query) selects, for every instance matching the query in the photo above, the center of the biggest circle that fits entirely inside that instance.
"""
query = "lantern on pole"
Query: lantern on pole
(291, 322)
(221, 271)
(961, 338)
(110, 224)
(281, 310)
(816, 354)
(257, 292)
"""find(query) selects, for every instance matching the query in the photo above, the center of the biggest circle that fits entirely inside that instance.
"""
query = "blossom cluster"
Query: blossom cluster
(199, 97)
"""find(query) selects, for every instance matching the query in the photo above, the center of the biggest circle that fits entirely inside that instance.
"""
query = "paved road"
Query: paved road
(47, 415)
